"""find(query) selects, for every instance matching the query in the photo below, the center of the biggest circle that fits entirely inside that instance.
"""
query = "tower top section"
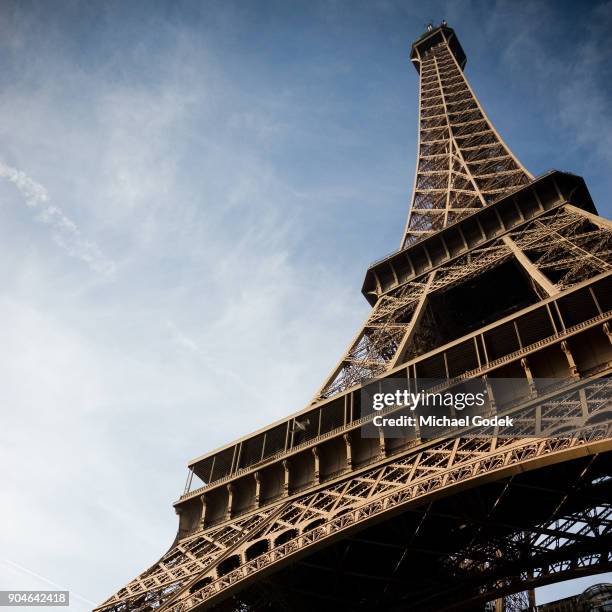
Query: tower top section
(423, 45)
(463, 164)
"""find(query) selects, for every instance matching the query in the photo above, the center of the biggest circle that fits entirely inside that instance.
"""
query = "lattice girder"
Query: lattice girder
(351, 500)
(565, 241)
(454, 127)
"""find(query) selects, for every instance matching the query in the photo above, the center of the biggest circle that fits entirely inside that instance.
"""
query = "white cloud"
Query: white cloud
(33, 193)
(65, 232)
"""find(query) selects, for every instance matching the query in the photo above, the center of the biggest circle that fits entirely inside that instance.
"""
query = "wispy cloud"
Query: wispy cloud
(65, 231)
(40, 578)
(215, 363)
(33, 193)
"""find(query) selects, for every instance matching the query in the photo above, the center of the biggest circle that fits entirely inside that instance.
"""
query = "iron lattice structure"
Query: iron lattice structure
(463, 164)
(499, 275)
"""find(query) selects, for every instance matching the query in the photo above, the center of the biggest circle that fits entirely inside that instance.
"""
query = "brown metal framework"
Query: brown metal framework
(500, 275)
(462, 163)
(566, 245)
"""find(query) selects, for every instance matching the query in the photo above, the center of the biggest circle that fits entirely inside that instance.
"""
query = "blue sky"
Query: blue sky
(190, 193)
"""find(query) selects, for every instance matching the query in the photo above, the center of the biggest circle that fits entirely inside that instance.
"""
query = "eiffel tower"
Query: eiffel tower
(500, 275)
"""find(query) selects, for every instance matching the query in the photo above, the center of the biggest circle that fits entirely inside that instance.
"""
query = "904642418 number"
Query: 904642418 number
(34, 598)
